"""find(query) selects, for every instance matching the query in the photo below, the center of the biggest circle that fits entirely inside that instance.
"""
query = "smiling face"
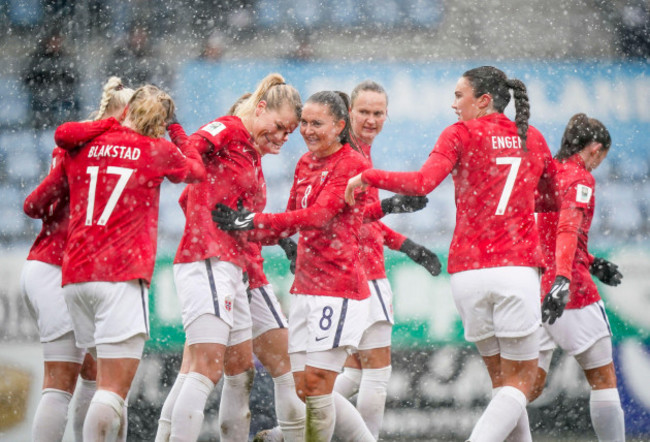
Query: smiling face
(368, 114)
(271, 128)
(465, 105)
(320, 129)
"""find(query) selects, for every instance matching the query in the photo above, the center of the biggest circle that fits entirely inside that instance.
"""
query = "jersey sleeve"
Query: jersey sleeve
(392, 239)
(546, 194)
(440, 163)
(177, 134)
(567, 239)
(53, 190)
(329, 203)
(184, 163)
(72, 135)
(372, 212)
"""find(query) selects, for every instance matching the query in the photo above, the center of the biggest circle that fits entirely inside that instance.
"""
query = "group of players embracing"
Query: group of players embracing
(87, 276)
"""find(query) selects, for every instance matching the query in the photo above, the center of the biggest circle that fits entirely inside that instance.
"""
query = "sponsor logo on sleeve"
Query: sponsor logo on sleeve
(583, 194)
(214, 128)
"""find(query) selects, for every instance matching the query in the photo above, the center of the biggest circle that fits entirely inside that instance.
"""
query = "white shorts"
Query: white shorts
(107, 312)
(498, 301)
(577, 329)
(213, 287)
(40, 284)
(320, 323)
(380, 316)
(266, 312)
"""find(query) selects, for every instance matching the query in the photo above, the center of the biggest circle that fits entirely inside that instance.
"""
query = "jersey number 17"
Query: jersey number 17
(93, 171)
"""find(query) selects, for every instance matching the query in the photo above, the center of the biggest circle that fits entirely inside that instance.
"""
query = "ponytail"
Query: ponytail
(579, 132)
(522, 108)
(275, 92)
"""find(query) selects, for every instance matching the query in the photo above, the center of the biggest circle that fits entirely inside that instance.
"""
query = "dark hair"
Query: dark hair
(367, 85)
(338, 104)
(580, 131)
(493, 81)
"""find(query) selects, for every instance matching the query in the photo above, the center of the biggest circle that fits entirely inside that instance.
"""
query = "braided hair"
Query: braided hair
(579, 132)
(493, 81)
(115, 96)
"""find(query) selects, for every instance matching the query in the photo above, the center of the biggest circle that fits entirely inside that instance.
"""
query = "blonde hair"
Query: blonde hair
(235, 106)
(149, 110)
(114, 98)
(275, 92)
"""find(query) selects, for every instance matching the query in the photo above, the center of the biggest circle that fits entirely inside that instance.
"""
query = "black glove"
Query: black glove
(403, 204)
(172, 120)
(291, 250)
(555, 300)
(606, 271)
(423, 256)
(230, 219)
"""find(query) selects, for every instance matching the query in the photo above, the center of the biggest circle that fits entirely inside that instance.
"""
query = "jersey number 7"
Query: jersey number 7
(93, 171)
(514, 163)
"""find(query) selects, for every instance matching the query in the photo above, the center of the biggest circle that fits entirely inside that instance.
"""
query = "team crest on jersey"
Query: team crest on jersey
(228, 303)
(583, 194)
(214, 128)
(323, 176)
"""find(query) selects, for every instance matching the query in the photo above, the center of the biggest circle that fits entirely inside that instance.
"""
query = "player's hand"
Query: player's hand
(403, 204)
(555, 300)
(423, 256)
(231, 219)
(353, 183)
(291, 250)
(606, 271)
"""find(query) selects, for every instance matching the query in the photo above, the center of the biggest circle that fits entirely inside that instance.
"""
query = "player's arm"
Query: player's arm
(72, 135)
(440, 163)
(394, 204)
(186, 163)
(418, 253)
(52, 190)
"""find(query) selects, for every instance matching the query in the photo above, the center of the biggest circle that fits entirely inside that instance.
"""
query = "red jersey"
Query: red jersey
(328, 261)
(374, 235)
(114, 194)
(50, 202)
(234, 173)
(495, 182)
(577, 189)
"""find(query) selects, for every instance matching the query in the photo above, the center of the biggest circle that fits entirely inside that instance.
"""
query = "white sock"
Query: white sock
(349, 425)
(320, 418)
(501, 416)
(289, 409)
(187, 416)
(372, 397)
(607, 415)
(83, 395)
(521, 432)
(103, 418)
(124, 422)
(165, 421)
(234, 411)
(51, 415)
(347, 383)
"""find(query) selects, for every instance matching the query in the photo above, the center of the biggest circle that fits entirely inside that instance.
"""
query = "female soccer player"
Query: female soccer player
(41, 286)
(368, 371)
(494, 257)
(327, 315)
(210, 264)
(582, 330)
(114, 183)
